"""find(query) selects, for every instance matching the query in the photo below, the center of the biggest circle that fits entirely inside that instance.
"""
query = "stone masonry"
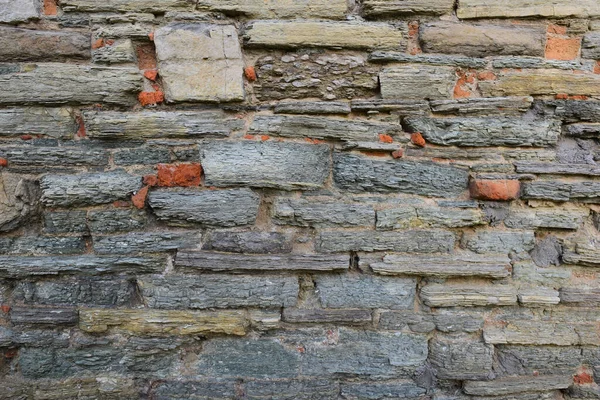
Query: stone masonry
(299, 199)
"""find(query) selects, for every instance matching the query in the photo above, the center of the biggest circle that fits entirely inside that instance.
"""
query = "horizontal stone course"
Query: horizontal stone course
(32, 45)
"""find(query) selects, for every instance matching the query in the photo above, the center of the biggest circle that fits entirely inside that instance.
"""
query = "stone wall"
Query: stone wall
(300, 199)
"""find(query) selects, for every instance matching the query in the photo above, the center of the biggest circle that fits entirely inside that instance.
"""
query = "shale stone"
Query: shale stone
(277, 9)
(146, 242)
(287, 166)
(464, 295)
(115, 220)
(527, 8)
(499, 242)
(322, 213)
(414, 241)
(376, 8)
(53, 122)
(32, 45)
(309, 389)
(43, 316)
(517, 385)
(200, 62)
(541, 82)
(590, 46)
(54, 156)
(185, 390)
(19, 11)
(136, 6)
(252, 242)
(41, 245)
(460, 359)
(400, 390)
(417, 82)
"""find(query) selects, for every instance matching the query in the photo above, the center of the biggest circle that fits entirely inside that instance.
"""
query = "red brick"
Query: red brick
(149, 98)
(557, 29)
(150, 180)
(146, 56)
(184, 174)
(250, 73)
(499, 190)
(139, 199)
(417, 139)
(413, 46)
(151, 74)
(398, 153)
(597, 67)
(3, 162)
(565, 49)
(121, 204)
(97, 44)
(5, 308)
(385, 138)
(50, 7)
(81, 132)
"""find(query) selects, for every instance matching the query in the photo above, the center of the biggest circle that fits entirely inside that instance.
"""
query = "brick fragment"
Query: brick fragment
(559, 48)
(184, 174)
(150, 98)
(139, 199)
(498, 190)
(250, 73)
(417, 139)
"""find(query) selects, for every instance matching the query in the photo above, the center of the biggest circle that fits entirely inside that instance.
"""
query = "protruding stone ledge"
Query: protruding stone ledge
(513, 385)
(464, 295)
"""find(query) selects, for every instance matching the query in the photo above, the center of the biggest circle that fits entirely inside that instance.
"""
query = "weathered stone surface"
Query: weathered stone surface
(142, 155)
(431, 59)
(539, 63)
(399, 390)
(88, 188)
(538, 296)
(19, 267)
(69, 83)
(213, 261)
(273, 9)
(574, 111)
(41, 245)
(140, 321)
(454, 265)
(33, 45)
(301, 212)
(557, 169)
(200, 62)
(19, 201)
(580, 296)
(399, 320)
(543, 275)
(584, 131)
(358, 174)
(499, 241)
(451, 321)
(372, 8)
(19, 11)
(408, 216)
(286, 166)
(481, 40)
(43, 316)
(309, 389)
(414, 241)
(417, 82)
(54, 156)
(544, 218)
(365, 291)
(115, 220)
(590, 46)
(137, 6)
(158, 124)
(311, 107)
(313, 74)
(527, 8)
(146, 242)
(514, 385)
(464, 295)
(91, 291)
(320, 128)
(232, 207)
(400, 107)
(586, 191)
(54, 122)
(541, 82)
(252, 242)
(547, 360)
(461, 359)
(119, 52)
(340, 316)
(182, 390)
(65, 222)
(494, 131)
(101, 387)
(483, 106)
(585, 252)
(218, 291)
(347, 34)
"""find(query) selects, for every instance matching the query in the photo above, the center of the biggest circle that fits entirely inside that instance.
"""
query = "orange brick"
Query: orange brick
(50, 7)
(385, 138)
(139, 199)
(148, 98)
(3, 162)
(184, 174)
(151, 74)
(417, 139)
(562, 48)
(250, 73)
(499, 190)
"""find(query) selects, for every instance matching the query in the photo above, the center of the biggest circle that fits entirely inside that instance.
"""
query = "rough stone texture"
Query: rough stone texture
(586, 191)
(231, 207)
(517, 385)
(417, 82)
(545, 218)
(527, 8)
(311, 107)
(373, 8)
(473, 132)
(407, 216)
(347, 34)
(358, 174)
(457, 295)
(273, 165)
(499, 242)
(30, 45)
(329, 9)
(218, 291)
(200, 62)
(115, 220)
(322, 213)
(400, 390)
(54, 122)
(19, 11)
(139, 6)
(342, 316)
(248, 242)
(67, 83)
(590, 46)
(141, 243)
(19, 201)
(54, 156)
(481, 40)
(415, 241)
(475, 106)
(541, 82)
(461, 359)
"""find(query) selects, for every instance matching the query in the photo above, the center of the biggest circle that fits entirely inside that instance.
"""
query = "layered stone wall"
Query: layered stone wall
(300, 199)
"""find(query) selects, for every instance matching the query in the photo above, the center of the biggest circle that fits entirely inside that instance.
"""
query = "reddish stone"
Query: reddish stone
(26, 137)
(557, 29)
(5, 308)
(413, 46)
(184, 174)
(398, 153)
(151, 36)
(12, 353)
(151, 74)
(3, 162)
(597, 67)
(81, 132)
(50, 7)
(146, 56)
(139, 199)
(264, 138)
(558, 48)
(121, 204)
(97, 44)
(250, 73)
(486, 76)
(150, 180)
(499, 190)
(385, 138)
(149, 98)
(561, 96)
(251, 137)
(417, 139)
(583, 376)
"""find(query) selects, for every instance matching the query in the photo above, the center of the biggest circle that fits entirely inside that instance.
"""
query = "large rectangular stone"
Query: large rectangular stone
(318, 315)
(57, 123)
(43, 316)
(115, 220)
(465, 295)
(51, 83)
(417, 82)
(65, 222)
(557, 168)
(231, 207)
(580, 296)
(19, 11)
(18, 44)
(200, 62)
(541, 82)
(590, 46)
(483, 106)
(252, 242)
(159, 124)
(346, 34)
(19, 267)
(54, 156)
(461, 359)
(213, 261)
(577, 110)
(88, 188)
(546, 360)
(165, 322)
(365, 291)
(41, 245)
(302, 212)
(362, 174)
(99, 387)
(545, 218)
(135, 6)
(527, 8)
(302, 389)
(499, 241)
(277, 9)
(585, 191)
(420, 216)
(413, 241)
(218, 291)
(288, 166)
(491, 131)
(513, 385)
(146, 242)
(321, 128)
(377, 8)
(481, 40)
(408, 390)
(584, 252)
(443, 266)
